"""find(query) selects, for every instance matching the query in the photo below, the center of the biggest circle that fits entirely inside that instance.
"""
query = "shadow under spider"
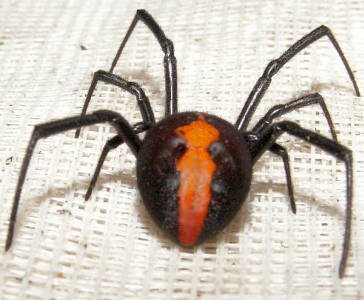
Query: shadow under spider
(242, 218)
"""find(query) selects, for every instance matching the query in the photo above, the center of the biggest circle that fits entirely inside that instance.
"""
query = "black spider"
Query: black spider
(194, 169)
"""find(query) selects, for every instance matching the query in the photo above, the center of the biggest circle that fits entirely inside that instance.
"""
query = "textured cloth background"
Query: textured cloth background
(108, 247)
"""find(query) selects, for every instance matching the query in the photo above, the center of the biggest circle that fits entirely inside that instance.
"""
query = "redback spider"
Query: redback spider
(194, 169)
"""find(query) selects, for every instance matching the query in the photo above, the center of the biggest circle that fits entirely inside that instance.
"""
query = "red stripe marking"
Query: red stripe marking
(196, 168)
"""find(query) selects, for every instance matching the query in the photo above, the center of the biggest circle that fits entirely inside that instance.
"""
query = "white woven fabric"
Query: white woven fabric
(108, 247)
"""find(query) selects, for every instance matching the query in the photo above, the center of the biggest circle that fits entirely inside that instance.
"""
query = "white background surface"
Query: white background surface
(108, 248)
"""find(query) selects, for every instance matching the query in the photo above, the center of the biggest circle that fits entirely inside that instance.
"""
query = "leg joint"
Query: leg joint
(272, 68)
(168, 48)
(275, 112)
(324, 28)
(137, 91)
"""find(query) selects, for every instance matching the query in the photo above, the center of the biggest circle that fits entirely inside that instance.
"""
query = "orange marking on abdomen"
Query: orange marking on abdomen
(196, 168)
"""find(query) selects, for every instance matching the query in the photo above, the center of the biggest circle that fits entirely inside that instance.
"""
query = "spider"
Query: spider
(194, 169)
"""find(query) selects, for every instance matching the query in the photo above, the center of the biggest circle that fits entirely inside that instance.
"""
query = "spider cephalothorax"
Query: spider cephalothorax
(194, 169)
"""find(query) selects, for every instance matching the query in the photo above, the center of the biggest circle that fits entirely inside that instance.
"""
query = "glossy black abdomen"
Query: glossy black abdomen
(159, 179)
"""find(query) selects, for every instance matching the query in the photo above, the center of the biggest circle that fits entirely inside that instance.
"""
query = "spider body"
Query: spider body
(193, 173)
(194, 169)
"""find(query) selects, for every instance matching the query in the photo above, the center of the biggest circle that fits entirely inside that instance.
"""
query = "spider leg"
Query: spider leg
(282, 152)
(111, 144)
(131, 87)
(125, 131)
(274, 66)
(270, 135)
(170, 62)
(279, 110)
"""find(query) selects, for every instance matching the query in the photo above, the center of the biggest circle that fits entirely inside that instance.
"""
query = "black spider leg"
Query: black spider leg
(111, 144)
(278, 111)
(282, 152)
(131, 87)
(282, 109)
(170, 62)
(268, 137)
(125, 131)
(274, 66)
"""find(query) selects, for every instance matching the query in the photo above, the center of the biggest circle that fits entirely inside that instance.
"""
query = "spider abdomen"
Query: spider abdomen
(194, 172)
